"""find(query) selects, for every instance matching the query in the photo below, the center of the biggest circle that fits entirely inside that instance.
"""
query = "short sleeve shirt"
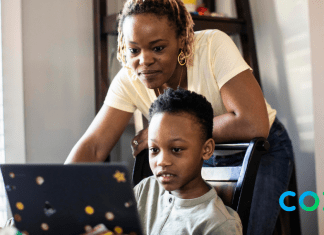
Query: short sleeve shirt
(216, 60)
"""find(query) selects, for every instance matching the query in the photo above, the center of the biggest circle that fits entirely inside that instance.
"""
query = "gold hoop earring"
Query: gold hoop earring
(185, 60)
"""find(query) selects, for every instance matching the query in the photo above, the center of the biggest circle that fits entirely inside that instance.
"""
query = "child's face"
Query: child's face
(177, 152)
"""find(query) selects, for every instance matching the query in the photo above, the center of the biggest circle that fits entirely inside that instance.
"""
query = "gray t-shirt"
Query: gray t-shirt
(162, 213)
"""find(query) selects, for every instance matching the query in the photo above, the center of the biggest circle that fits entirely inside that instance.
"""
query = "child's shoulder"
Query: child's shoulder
(212, 211)
(149, 184)
(225, 219)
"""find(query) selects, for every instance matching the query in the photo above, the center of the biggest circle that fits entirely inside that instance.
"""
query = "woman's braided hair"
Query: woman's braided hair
(177, 14)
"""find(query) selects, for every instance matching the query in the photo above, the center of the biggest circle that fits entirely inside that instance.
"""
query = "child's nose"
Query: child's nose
(164, 159)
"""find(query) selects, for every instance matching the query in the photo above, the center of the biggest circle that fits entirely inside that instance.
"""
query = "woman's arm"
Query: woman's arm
(101, 136)
(247, 115)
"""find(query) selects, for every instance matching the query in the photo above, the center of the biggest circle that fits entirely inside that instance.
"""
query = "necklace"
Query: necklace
(178, 84)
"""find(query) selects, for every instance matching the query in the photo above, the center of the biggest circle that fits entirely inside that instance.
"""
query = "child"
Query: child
(176, 200)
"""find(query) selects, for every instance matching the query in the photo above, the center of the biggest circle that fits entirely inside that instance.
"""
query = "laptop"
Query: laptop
(70, 199)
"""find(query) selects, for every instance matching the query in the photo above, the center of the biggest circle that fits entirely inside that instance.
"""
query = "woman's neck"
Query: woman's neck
(179, 80)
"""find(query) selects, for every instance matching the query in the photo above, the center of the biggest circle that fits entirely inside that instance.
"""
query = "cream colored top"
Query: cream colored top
(216, 60)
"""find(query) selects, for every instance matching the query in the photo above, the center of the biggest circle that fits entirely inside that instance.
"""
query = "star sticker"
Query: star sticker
(119, 176)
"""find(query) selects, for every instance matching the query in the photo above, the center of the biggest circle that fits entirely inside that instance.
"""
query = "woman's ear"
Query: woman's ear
(208, 149)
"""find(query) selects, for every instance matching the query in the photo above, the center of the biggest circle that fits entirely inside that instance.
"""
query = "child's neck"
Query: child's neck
(193, 192)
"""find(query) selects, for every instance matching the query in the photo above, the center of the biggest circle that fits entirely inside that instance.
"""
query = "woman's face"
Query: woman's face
(152, 49)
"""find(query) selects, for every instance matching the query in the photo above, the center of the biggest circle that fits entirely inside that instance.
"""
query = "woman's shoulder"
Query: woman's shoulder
(210, 35)
(125, 78)
(123, 74)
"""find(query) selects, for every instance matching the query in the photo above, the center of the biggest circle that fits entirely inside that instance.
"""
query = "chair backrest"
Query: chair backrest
(234, 185)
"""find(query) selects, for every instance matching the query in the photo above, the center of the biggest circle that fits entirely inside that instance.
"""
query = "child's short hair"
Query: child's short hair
(184, 101)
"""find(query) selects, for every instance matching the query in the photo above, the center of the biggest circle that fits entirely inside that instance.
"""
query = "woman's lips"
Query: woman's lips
(149, 75)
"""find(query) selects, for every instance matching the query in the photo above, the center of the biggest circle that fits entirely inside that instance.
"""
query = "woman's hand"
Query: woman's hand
(140, 142)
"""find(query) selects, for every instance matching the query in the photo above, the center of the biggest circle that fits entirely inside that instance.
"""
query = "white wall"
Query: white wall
(58, 73)
(12, 74)
(49, 56)
(283, 47)
(316, 13)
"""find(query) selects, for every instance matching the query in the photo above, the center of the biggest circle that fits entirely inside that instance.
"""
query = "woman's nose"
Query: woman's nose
(146, 58)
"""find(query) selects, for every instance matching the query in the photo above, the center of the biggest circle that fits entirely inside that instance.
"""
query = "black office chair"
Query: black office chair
(234, 185)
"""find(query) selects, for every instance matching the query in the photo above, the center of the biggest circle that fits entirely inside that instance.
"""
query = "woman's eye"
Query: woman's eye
(154, 150)
(158, 49)
(133, 51)
(176, 150)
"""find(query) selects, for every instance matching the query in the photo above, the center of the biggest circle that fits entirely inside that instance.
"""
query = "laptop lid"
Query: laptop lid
(70, 199)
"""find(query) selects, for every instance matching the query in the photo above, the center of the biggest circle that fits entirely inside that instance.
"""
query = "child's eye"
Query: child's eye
(176, 150)
(133, 50)
(158, 49)
(154, 150)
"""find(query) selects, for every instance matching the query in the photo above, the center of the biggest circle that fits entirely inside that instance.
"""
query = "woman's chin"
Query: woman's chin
(149, 85)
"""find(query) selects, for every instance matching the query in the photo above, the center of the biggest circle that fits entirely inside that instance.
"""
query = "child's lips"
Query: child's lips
(166, 178)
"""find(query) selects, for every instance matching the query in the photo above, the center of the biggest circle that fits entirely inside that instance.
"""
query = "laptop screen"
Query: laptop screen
(70, 199)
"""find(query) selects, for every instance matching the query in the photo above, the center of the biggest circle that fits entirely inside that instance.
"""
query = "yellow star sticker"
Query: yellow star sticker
(119, 176)
(89, 210)
(20, 206)
(118, 230)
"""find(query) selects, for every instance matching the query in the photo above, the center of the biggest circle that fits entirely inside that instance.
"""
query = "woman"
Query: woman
(158, 49)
